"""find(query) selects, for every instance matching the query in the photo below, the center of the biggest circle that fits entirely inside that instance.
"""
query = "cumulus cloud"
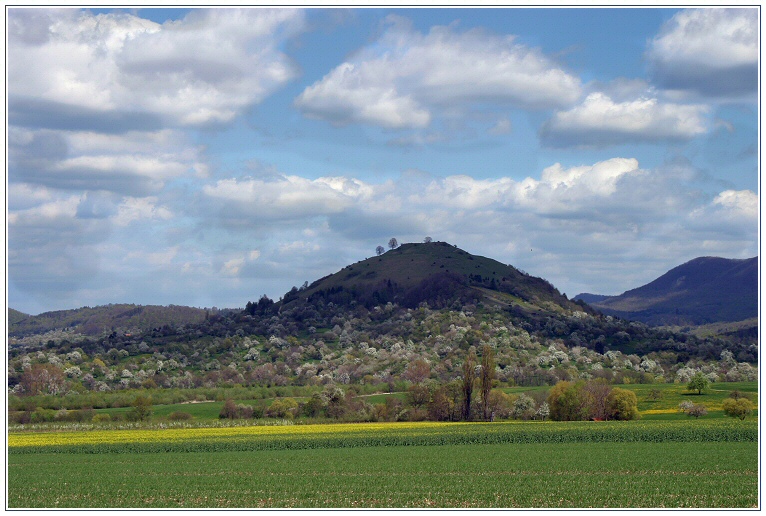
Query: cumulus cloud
(202, 69)
(406, 79)
(600, 121)
(135, 163)
(284, 197)
(709, 51)
(608, 197)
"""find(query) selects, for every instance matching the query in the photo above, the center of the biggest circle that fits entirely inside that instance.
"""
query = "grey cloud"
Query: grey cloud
(45, 114)
(97, 205)
(707, 81)
(709, 51)
(27, 166)
(52, 256)
(30, 26)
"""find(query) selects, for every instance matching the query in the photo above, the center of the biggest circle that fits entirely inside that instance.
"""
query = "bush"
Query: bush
(179, 416)
(282, 408)
(20, 417)
(229, 410)
(567, 402)
(41, 415)
(739, 407)
(142, 409)
(622, 404)
(101, 418)
(696, 410)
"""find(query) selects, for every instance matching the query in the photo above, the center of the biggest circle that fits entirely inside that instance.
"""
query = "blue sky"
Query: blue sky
(206, 157)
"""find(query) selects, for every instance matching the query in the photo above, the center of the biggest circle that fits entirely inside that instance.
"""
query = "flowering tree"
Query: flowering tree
(699, 382)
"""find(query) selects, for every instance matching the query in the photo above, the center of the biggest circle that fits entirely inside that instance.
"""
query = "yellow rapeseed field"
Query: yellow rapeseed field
(95, 437)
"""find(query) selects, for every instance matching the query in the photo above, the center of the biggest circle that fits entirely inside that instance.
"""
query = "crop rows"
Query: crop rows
(572, 475)
(378, 434)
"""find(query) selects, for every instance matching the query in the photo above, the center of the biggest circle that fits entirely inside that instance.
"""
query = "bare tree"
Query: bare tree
(427, 240)
(393, 244)
(379, 250)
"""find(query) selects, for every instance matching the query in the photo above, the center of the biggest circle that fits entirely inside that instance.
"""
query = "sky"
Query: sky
(206, 157)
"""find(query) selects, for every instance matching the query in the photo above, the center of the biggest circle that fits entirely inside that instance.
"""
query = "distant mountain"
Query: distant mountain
(100, 319)
(437, 273)
(14, 316)
(702, 291)
(590, 298)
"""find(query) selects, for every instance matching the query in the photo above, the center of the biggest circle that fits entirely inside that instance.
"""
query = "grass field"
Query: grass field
(645, 464)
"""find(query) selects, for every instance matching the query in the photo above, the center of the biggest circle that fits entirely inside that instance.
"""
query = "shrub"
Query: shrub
(622, 404)
(523, 407)
(41, 415)
(739, 407)
(282, 408)
(567, 402)
(101, 418)
(229, 410)
(696, 411)
(142, 409)
(179, 416)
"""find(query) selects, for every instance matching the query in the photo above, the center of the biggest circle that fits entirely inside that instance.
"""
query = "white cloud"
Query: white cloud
(710, 51)
(202, 69)
(286, 197)
(135, 209)
(613, 204)
(133, 163)
(600, 121)
(233, 266)
(406, 79)
(742, 201)
(503, 126)
(730, 210)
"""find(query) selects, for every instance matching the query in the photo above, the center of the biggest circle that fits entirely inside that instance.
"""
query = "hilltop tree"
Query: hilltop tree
(379, 250)
(393, 244)
(427, 240)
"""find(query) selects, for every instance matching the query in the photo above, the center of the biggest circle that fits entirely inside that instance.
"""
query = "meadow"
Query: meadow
(664, 460)
(510, 464)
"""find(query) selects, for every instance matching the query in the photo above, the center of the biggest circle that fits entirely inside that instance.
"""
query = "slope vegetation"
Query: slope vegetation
(108, 318)
(437, 273)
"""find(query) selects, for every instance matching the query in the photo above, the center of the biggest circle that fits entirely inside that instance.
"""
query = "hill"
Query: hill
(124, 318)
(365, 326)
(702, 291)
(437, 273)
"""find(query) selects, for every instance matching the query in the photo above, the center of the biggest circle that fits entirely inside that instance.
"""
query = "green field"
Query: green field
(644, 464)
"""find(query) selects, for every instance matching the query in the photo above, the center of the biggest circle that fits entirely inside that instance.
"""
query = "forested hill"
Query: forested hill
(702, 291)
(125, 318)
(363, 325)
(437, 273)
